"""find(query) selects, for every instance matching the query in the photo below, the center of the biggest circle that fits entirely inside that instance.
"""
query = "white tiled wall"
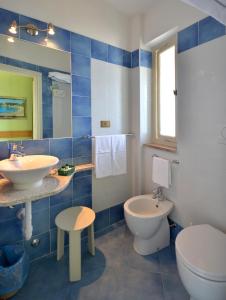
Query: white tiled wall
(199, 189)
(110, 101)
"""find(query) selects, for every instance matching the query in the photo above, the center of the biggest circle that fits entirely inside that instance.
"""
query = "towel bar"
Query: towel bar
(93, 137)
(174, 161)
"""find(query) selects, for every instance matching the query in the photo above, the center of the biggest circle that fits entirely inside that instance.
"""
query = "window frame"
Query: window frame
(156, 137)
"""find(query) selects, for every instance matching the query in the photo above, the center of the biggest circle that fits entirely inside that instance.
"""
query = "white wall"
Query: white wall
(166, 15)
(199, 190)
(162, 19)
(93, 18)
(110, 101)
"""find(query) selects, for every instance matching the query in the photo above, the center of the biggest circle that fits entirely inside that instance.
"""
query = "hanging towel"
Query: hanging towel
(119, 157)
(60, 77)
(103, 160)
(161, 171)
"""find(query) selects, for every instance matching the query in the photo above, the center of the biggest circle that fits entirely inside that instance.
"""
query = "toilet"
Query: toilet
(201, 262)
(146, 218)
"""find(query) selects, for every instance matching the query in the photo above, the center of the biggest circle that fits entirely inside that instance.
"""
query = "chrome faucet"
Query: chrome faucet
(157, 193)
(15, 151)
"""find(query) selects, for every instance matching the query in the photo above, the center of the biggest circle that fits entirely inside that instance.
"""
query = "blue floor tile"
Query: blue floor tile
(115, 272)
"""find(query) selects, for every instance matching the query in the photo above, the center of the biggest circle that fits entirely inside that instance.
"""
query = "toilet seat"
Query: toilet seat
(202, 249)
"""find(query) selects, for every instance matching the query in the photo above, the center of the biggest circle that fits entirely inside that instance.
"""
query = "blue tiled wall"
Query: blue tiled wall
(44, 211)
(77, 149)
(175, 229)
(201, 32)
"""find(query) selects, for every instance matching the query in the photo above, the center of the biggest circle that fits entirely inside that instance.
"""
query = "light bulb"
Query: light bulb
(13, 28)
(51, 29)
(10, 39)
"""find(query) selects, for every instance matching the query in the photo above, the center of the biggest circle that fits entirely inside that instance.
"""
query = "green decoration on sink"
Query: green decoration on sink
(66, 170)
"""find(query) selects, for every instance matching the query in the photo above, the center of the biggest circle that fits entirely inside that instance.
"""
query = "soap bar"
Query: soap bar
(66, 170)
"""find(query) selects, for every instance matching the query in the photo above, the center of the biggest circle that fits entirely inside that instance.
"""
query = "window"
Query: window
(164, 94)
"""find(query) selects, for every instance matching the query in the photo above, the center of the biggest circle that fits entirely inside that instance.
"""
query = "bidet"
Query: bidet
(147, 220)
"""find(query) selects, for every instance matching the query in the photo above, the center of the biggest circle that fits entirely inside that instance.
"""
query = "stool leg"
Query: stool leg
(91, 242)
(60, 243)
(75, 255)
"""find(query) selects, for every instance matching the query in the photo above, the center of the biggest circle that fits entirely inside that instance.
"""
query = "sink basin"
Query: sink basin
(27, 172)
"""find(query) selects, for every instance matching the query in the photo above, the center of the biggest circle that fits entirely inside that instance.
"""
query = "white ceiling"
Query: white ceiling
(131, 7)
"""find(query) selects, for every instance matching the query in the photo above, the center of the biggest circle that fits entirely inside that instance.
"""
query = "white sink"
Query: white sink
(28, 171)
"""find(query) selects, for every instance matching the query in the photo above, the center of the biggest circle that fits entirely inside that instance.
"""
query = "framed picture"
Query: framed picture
(11, 107)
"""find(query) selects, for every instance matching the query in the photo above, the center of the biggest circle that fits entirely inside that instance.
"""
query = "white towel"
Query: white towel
(103, 159)
(60, 77)
(119, 157)
(161, 171)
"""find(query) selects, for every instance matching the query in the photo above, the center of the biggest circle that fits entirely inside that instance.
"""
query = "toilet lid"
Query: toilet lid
(203, 250)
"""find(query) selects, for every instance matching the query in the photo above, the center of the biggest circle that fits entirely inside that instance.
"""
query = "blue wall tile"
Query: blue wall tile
(188, 38)
(81, 106)
(174, 230)
(102, 219)
(99, 50)
(42, 249)
(145, 58)
(61, 39)
(40, 204)
(40, 221)
(82, 187)
(81, 126)
(210, 29)
(2, 60)
(135, 58)
(10, 231)
(61, 148)
(39, 39)
(83, 201)
(127, 59)
(83, 174)
(82, 147)
(6, 19)
(36, 147)
(65, 196)
(82, 160)
(81, 86)
(80, 65)
(116, 213)
(115, 55)
(7, 213)
(80, 44)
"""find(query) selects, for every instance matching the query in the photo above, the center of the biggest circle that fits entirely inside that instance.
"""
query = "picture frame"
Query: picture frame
(12, 107)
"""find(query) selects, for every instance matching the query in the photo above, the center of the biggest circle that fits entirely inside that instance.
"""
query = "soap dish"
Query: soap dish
(66, 170)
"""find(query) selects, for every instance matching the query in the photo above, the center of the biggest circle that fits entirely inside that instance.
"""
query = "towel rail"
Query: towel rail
(93, 137)
(174, 161)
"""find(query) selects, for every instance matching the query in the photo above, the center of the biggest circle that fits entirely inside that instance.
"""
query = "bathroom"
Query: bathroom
(92, 68)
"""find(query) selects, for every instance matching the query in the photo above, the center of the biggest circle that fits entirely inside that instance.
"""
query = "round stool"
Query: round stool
(74, 220)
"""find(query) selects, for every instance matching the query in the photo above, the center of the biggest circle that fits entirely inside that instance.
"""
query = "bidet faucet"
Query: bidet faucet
(157, 193)
(14, 152)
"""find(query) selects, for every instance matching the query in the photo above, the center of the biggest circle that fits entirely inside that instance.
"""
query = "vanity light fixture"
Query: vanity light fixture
(31, 28)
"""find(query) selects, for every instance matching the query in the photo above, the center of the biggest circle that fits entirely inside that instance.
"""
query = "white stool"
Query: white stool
(74, 220)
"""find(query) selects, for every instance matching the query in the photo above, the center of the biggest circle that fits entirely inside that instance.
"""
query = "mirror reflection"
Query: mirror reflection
(35, 91)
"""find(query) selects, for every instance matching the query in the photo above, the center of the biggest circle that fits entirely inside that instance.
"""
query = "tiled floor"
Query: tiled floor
(115, 273)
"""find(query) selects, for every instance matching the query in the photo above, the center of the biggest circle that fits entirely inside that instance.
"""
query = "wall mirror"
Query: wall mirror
(35, 91)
